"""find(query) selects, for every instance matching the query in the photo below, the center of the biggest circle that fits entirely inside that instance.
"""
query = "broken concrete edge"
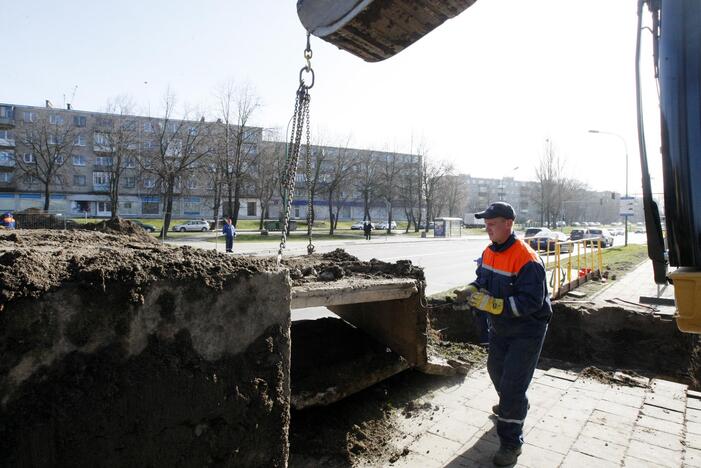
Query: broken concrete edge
(352, 291)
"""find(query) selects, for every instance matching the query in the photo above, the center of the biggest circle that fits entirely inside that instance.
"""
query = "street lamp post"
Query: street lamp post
(625, 147)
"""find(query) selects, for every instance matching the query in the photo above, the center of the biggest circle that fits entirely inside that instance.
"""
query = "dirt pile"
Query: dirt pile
(339, 264)
(34, 262)
(118, 351)
(119, 226)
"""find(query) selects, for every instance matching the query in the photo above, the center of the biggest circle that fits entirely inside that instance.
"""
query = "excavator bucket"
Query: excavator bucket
(375, 30)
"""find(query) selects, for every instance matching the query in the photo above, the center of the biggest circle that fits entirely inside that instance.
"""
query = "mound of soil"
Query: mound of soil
(33, 262)
(338, 264)
(119, 226)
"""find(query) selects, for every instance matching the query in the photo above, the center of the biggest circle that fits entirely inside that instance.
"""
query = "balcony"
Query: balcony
(7, 142)
(103, 148)
(101, 187)
(7, 116)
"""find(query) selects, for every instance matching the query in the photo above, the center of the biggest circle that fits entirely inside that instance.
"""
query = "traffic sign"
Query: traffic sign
(627, 206)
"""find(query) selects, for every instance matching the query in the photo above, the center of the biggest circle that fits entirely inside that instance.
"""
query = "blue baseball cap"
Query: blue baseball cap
(497, 210)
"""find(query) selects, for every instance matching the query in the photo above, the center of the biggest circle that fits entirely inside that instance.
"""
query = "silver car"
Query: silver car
(192, 225)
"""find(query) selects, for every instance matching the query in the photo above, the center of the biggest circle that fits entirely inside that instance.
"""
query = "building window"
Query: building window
(7, 158)
(28, 116)
(130, 163)
(57, 180)
(251, 208)
(129, 125)
(59, 159)
(101, 139)
(175, 148)
(80, 120)
(79, 140)
(30, 180)
(129, 182)
(147, 145)
(149, 208)
(126, 205)
(191, 205)
(7, 112)
(104, 122)
(148, 127)
(101, 178)
(56, 119)
(7, 135)
(29, 158)
(54, 139)
(191, 184)
(149, 182)
(79, 180)
(79, 160)
(173, 127)
(103, 161)
(5, 177)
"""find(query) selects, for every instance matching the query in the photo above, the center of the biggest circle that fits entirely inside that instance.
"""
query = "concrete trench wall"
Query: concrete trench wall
(600, 336)
(188, 377)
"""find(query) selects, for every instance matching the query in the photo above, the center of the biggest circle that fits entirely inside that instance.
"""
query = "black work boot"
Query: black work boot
(495, 409)
(506, 456)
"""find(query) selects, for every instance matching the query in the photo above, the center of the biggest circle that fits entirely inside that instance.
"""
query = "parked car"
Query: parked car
(534, 231)
(603, 234)
(360, 224)
(576, 224)
(560, 224)
(383, 225)
(192, 225)
(546, 240)
(431, 225)
(579, 234)
(146, 227)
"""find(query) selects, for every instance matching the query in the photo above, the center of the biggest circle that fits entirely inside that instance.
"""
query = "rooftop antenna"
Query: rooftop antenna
(75, 88)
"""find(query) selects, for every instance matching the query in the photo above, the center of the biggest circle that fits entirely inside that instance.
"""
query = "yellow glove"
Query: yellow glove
(462, 296)
(483, 301)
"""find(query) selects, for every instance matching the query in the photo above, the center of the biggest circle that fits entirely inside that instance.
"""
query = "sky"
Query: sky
(484, 91)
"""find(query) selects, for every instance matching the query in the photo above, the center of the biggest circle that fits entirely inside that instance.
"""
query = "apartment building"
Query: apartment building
(84, 147)
(83, 144)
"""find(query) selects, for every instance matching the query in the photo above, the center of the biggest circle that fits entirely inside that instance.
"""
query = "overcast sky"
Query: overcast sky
(485, 90)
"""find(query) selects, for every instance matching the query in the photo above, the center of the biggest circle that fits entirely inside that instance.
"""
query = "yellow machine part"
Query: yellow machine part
(687, 295)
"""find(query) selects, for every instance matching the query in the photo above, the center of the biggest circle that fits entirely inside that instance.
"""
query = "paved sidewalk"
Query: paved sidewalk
(574, 422)
(636, 283)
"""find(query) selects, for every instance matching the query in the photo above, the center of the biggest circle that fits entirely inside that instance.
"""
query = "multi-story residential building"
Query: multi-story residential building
(85, 143)
(480, 192)
(81, 185)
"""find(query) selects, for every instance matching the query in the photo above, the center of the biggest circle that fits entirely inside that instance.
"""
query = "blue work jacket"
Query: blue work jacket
(512, 271)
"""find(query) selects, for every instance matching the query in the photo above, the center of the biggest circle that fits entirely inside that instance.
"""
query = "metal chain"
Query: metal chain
(300, 118)
(310, 221)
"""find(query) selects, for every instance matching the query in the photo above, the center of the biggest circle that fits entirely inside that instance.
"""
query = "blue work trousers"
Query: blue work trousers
(511, 363)
(229, 243)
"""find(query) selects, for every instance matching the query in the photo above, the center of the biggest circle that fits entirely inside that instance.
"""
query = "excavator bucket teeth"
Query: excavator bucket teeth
(375, 30)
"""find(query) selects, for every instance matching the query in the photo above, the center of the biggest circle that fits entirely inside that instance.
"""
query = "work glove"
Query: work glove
(487, 303)
(462, 296)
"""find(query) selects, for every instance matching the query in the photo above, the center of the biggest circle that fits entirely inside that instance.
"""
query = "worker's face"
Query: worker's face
(499, 229)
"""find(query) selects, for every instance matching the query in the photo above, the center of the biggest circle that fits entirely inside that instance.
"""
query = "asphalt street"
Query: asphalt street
(447, 263)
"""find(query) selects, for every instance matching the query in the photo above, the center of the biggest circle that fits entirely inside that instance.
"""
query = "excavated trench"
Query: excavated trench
(606, 337)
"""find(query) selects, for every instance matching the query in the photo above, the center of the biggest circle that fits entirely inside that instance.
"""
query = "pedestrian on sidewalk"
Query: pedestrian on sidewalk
(511, 287)
(367, 229)
(229, 231)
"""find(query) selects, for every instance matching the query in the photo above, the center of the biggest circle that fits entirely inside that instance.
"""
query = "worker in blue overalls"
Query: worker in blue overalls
(511, 287)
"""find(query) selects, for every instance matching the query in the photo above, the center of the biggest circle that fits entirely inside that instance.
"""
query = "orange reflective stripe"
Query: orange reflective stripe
(509, 262)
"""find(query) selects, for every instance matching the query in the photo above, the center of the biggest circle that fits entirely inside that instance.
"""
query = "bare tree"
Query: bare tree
(180, 146)
(265, 175)
(410, 194)
(337, 181)
(456, 193)
(119, 142)
(432, 176)
(548, 174)
(389, 171)
(50, 142)
(366, 180)
(238, 143)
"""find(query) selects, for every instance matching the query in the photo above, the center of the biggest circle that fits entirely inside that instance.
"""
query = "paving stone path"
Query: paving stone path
(574, 421)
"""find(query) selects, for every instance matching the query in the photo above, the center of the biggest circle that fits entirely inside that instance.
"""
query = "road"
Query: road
(447, 263)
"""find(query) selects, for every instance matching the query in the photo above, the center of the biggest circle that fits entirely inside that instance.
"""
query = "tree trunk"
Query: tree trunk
(168, 210)
(237, 203)
(331, 223)
(47, 196)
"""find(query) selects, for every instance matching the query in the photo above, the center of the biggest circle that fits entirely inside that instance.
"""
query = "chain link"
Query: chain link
(300, 119)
